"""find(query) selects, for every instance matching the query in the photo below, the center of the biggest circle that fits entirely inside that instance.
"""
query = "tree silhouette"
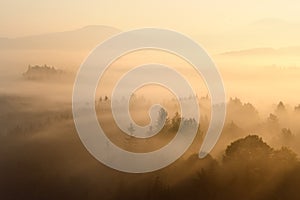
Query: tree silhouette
(162, 116)
(273, 118)
(297, 108)
(250, 149)
(106, 98)
(131, 129)
(175, 122)
(286, 134)
(280, 107)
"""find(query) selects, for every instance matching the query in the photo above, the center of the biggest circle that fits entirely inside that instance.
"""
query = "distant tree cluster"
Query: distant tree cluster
(38, 72)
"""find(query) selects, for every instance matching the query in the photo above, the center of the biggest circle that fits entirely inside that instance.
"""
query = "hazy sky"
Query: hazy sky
(219, 26)
(27, 17)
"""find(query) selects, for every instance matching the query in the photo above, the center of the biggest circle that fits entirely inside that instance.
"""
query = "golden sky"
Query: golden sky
(27, 17)
(261, 34)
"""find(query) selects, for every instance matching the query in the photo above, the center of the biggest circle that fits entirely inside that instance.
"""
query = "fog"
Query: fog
(42, 157)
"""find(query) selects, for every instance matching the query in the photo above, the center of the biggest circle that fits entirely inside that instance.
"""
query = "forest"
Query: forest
(43, 157)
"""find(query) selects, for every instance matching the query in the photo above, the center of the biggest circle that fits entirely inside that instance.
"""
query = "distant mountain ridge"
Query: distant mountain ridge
(295, 50)
(83, 38)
